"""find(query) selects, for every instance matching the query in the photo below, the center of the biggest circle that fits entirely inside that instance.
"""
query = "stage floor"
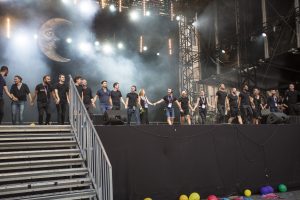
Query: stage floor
(163, 162)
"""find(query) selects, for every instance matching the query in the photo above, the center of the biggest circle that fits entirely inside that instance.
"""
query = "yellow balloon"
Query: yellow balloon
(147, 198)
(247, 193)
(194, 196)
(183, 197)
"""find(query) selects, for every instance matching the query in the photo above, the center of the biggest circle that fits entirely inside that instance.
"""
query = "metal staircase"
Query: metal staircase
(42, 162)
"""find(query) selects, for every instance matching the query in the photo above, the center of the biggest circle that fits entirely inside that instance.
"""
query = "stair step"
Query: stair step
(36, 138)
(36, 128)
(44, 186)
(35, 145)
(30, 175)
(40, 163)
(38, 134)
(81, 194)
(38, 154)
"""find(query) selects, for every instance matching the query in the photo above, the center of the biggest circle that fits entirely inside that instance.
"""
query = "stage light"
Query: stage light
(177, 18)
(223, 51)
(85, 47)
(134, 15)
(148, 13)
(107, 49)
(87, 8)
(145, 48)
(264, 34)
(97, 43)
(21, 40)
(65, 1)
(8, 27)
(69, 40)
(35, 36)
(157, 53)
(112, 8)
(120, 45)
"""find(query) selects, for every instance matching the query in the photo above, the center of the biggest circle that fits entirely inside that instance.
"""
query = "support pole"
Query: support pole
(264, 23)
(216, 25)
(297, 11)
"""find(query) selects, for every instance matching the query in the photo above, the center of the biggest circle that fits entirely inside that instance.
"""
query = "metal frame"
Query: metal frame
(92, 149)
(188, 56)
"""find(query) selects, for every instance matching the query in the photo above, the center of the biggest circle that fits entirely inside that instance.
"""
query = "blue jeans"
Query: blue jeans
(17, 108)
(104, 107)
(136, 113)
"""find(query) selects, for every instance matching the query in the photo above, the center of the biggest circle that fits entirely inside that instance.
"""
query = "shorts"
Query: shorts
(234, 112)
(170, 112)
(185, 112)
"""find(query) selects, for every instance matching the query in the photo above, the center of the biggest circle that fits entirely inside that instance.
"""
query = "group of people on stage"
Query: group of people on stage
(245, 107)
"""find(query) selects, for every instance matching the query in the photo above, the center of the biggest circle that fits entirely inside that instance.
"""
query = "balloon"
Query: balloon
(194, 196)
(282, 188)
(183, 197)
(264, 190)
(147, 198)
(212, 197)
(270, 189)
(247, 193)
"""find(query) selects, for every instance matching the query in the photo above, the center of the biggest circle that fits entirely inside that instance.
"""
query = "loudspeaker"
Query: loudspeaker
(277, 118)
(115, 117)
(98, 119)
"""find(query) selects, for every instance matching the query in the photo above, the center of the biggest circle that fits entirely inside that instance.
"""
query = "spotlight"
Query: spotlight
(148, 13)
(134, 15)
(264, 34)
(177, 18)
(65, 1)
(97, 43)
(69, 40)
(107, 49)
(85, 47)
(120, 45)
(87, 8)
(21, 40)
(35, 36)
(112, 8)
(157, 53)
(223, 51)
(145, 48)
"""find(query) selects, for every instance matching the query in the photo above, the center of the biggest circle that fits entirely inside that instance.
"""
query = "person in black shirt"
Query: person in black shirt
(78, 84)
(272, 101)
(132, 103)
(292, 97)
(116, 97)
(144, 102)
(169, 100)
(20, 91)
(3, 87)
(62, 95)
(43, 92)
(220, 103)
(257, 106)
(185, 105)
(202, 102)
(87, 96)
(232, 106)
(244, 105)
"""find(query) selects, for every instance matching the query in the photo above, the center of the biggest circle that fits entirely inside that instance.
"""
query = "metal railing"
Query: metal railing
(91, 147)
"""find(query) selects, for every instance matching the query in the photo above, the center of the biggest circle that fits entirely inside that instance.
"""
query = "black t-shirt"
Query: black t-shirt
(245, 98)
(292, 97)
(257, 102)
(233, 101)
(43, 92)
(115, 97)
(62, 90)
(221, 97)
(184, 102)
(87, 95)
(21, 93)
(169, 100)
(2, 84)
(132, 99)
(79, 89)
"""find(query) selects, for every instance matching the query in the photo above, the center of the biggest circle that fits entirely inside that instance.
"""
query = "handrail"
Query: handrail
(92, 149)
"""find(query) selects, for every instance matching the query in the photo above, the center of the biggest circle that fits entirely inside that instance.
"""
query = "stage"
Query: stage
(163, 162)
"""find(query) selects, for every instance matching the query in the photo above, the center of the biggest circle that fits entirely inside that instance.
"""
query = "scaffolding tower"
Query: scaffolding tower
(189, 59)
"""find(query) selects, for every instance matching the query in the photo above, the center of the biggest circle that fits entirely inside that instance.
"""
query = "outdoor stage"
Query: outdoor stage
(163, 162)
